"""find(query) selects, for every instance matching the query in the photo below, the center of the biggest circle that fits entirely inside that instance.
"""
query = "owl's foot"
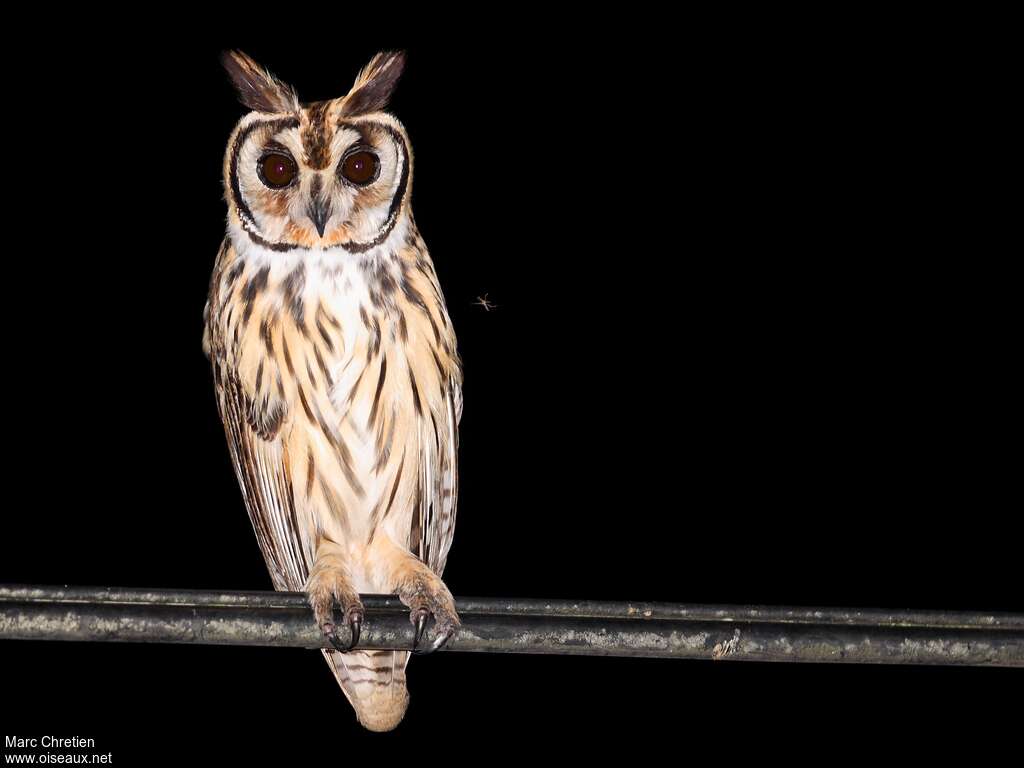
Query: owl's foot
(327, 586)
(420, 589)
(426, 595)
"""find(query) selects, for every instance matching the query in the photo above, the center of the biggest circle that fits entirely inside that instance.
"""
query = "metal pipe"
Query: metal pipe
(756, 633)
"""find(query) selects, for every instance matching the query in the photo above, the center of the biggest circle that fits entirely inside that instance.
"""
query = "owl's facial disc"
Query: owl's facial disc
(318, 180)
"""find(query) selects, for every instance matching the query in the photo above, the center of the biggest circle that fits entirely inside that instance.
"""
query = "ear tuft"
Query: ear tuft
(373, 86)
(257, 88)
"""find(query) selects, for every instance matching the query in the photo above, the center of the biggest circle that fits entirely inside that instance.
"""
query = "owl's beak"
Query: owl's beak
(319, 212)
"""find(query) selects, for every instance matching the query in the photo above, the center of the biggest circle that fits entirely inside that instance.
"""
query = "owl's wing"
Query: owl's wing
(261, 462)
(259, 455)
(439, 480)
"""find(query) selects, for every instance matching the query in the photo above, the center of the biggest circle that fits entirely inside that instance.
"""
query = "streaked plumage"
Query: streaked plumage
(335, 363)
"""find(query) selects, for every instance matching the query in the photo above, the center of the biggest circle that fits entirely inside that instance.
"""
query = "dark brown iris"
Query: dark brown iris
(276, 170)
(360, 167)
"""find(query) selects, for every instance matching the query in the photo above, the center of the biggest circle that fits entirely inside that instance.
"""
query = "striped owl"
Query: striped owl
(335, 366)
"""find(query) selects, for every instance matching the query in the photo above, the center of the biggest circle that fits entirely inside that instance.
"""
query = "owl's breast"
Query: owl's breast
(360, 357)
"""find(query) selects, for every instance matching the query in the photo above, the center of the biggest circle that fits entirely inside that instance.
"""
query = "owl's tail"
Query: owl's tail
(374, 683)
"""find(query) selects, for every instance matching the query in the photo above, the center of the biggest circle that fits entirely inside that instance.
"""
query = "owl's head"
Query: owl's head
(331, 174)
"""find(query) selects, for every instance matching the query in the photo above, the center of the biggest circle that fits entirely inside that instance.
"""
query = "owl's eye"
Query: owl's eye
(360, 167)
(277, 171)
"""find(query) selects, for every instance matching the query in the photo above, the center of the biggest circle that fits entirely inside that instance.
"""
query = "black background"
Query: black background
(752, 343)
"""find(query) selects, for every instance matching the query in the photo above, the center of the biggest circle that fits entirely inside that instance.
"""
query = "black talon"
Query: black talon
(355, 624)
(419, 621)
(328, 630)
